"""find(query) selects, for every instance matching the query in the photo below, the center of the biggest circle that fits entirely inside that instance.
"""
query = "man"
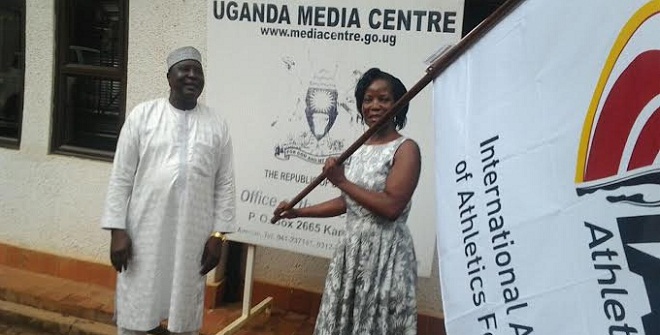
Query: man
(170, 201)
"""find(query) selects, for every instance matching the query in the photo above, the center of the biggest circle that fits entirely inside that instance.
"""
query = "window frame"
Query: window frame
(10, 142)
(61, 116)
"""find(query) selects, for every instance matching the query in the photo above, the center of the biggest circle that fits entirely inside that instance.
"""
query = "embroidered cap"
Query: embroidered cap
(181, 54)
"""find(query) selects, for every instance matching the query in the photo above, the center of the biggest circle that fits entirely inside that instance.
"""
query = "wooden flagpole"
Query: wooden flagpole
(432, 71)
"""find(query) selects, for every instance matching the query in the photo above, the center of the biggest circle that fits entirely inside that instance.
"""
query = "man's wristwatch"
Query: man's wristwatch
(221, 236)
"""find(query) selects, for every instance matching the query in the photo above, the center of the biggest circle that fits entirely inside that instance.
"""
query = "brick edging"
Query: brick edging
(285, 298)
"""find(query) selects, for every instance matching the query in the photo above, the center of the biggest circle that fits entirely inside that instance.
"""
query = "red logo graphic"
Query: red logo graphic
(620, 143)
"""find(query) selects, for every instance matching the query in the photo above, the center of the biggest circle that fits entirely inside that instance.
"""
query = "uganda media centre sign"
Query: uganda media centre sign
(283, 73)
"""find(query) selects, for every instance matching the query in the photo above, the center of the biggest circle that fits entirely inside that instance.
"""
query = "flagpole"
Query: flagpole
(432, 71)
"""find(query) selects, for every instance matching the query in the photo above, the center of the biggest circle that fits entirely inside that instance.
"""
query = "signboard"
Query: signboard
(284, 74)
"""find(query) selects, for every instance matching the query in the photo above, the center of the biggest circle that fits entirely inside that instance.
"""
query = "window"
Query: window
(12, 44)
(91, 76)
(477, 11)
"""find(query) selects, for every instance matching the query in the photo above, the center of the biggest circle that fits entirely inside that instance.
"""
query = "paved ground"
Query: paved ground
(44, 302)
(280, 325)
(11, 329)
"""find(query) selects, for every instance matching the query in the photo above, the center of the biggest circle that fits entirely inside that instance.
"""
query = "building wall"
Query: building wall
(53, 203)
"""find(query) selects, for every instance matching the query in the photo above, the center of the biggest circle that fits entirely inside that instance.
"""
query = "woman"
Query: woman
(370, 287)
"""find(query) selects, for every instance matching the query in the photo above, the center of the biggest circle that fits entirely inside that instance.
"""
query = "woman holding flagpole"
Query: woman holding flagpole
(371, 281)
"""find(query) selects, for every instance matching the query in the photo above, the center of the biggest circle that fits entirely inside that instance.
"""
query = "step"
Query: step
(67, 297)
(51, 322)
(82, 302)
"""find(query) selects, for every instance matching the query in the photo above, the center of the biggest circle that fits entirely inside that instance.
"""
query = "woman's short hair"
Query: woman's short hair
(397, 87)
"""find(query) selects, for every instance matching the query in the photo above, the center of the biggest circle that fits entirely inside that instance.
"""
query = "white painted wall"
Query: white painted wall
(53, 203)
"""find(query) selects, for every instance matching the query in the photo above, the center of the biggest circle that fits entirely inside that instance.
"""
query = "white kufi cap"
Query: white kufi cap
(181, 54)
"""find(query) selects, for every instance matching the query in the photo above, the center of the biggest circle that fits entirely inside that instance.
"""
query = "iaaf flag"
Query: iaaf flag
(548, 178)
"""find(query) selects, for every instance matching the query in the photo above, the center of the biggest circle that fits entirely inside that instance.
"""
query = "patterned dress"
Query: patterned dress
(370, 287)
